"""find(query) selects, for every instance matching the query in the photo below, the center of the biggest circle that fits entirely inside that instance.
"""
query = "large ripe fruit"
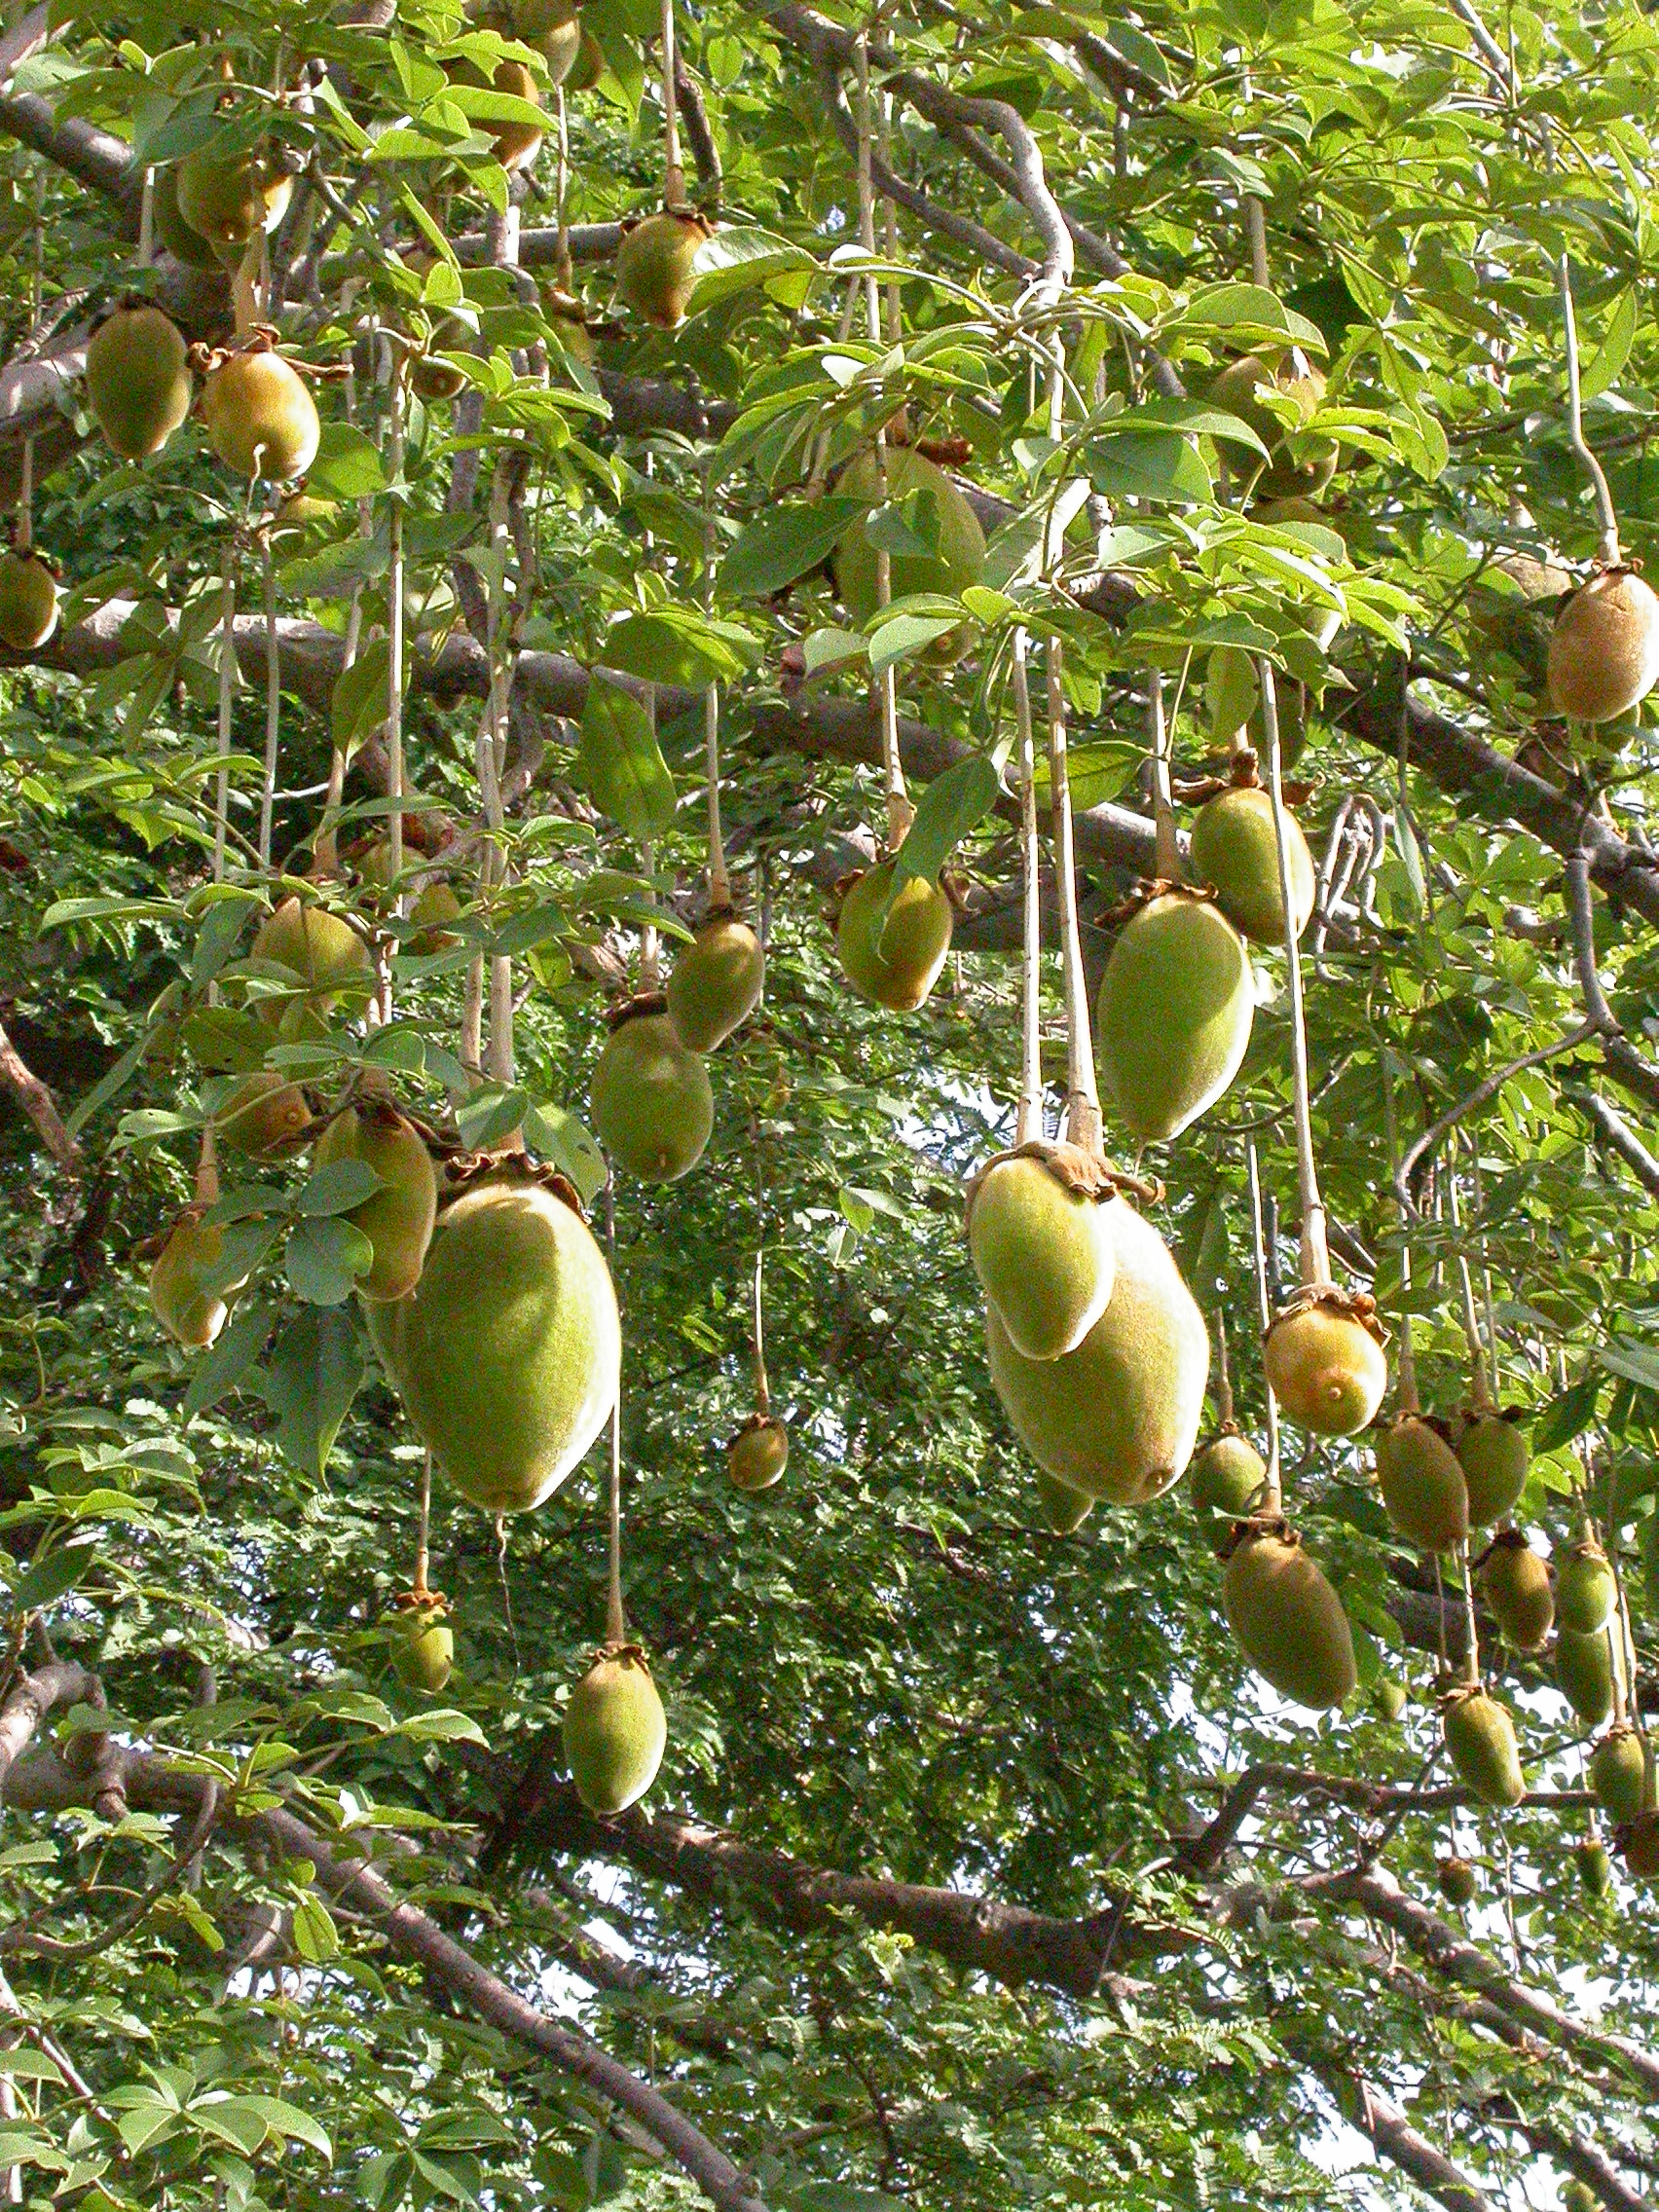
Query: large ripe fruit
(226, 198)
(1041, 1250)
(29, 601)
(315, 955)
(1288, 1621)
(186, 1305)
(1595, 1865)
(1456, 1879)
(398, 1218)
(1062, 1508)
(516, 144)
(894, 963)
(1480, 1737)
(1604, 649)
(1326, 1369)
(1422, 1484)
(1584, 1672)
(716, 981)
(1618, 1775)
(959, 562)
(182, 242)
(1235, 852)
(265, 1117)
(1174, 1014)
(759, 1453)
(1117, 1417)
(422, 1647)
(137, 380)
(657, 266)
(1495, 1457)
(508, 1352)
(615, 1731)
(1515, 1583)
(652, 1108)
(1585, 1588)
(1227, 1478)
(1640, 1845)
(261, 419)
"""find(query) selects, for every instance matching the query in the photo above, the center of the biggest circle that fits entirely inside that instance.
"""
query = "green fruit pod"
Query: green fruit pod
(508, 1352)
(227, 198)
(1456, 1879)
(1287, 1620)
(656, 266)
(263, 1118)
(1040, 1242)
(1117, 1417)
(959, 562)
(1515, 1583)
(1061, 1509)
(893, 958)
(1479, 1737)
(1422, 1486)
(184, 242)
(422, 1646)
(188, 1304)
(1174, 1013)
(260, 418)
(1324, 1360)
(1595, 1865)
(1618, 1775)
(555, 30)
(314, 955)
(716, 981)
(1387, 1698)
(615, 1731)
(29, 601)
(1585, 1588)
(1228, 1479)
(398, 1218)
(651, 1105)
(1638, 1847)
(1236, 387)
(1495, 1457)
(1584, 1674)
(137, 380)
(1235, 852)
(759, 1453)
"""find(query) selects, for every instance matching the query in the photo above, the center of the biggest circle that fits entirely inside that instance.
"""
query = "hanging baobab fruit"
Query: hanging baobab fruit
(399, 1217)
(1493, 1453)
(137, 380)
(314, 957)
(1174, 1013)
(759, 1453)
(652, 1108)
(1388, 1698)
(615, 1731)
(1515, 1583)
(265, 1117)
(892, 943)
(1323, 1356)
(261, 419)
(188, 1300)
(1596, 1873)
(1457, 1880)
(656, 270)
(1639, 1844)
(227, 198)
(1479, 1737)
(959, 562)
(1618, 1774)
(1422, 1486)
(1039, 1233)
(1288, 1620)
(182, 239)
(1604, 647)
(1584, 1674)
(1300, 464)
(28, 600)
(422, 1642)
(1227, 1481)
(554, 28)
(1236, 854)
(517, 142)
(716, 982)
(1586, 1591)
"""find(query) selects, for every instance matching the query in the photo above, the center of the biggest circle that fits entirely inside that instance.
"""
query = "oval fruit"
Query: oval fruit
(1618, 1775)
(1515, 1583)
(1584, 1673)
(261, 418)
(1604, 649)
(652, 1108)
(759, 1453)
(226, 198)
(1326, 1369)
(1457, 1880)
(1640, 1845)
(1480, 1737)
(29, 601)
(894, 963)
(1585, 1588)
(185, 1303)
(1229, 1476)
(265, 1117)
(1422, 1484)
(1388, 1698)
(1235, 852)
(315, 955)
(1043, 1254)
(137, 380)
(717, 982)
(657, 266)
(1288, 1621)
(615, 1732)
(517, 144)
(1174, 1014)
(398, 1218)
(959, 562)
(422, 1648)
(1596, 1872)
(554, 28)
(182, 242)
(1495, 1457)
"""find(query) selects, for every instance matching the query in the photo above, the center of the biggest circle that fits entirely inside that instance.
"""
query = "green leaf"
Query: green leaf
(316, 1937)
(1610, 357)
(359, 704)
(1635, 1363)
(347, 465)
(786, 543)
(237, 1348)
(338, 1187)
(952, 805)
(1148, 464)
(445, 1727)
(53, 1576)
(326, 1258)
(621, 763)
(311, 1382)
(289, 2121)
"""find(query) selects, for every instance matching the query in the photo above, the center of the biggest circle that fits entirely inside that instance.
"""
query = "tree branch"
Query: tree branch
(38, 1103)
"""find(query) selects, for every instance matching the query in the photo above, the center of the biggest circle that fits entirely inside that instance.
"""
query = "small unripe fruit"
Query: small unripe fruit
(717, 982)
(554, 28)
(1227, 1478)
(1387, 1698)
(894, 962)
(226, 198)
(1288, 1621)
(959, 562)
(1495, 1457)
(1422, 1484)
(1618, 1775)
(1604, 649)
(517, 144)
(651, 1105)
(265, 1117)
(1578, 2196)
(1235, 852)
(1235, 387)
(183, 243)
(137, 380)
(615, 1732)
(657, 266)
(1640, 1845)
(1062, 1508)
(261, 419)
(589, 66)
(398, 1218)
(1585, 1588)
(1515, 1583)
(1326, 1368)
(422, 1647)
(184, 1304)
(1457, 1880)
(1480, 1737)
(1174, 1014)
(759, 1453)
(1584, 1673)
(29, 601)
(1595, 1866)
(1041, 1250)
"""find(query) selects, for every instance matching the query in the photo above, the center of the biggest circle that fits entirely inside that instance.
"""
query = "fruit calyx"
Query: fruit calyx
(263, 338)
(1351, 1305)
(1255, 1526)
(464, 1169)
(695, 220)
(1149, 888)
(1502, 1540)
(633, 1008)
(1084, 1173)
(422, 1600)
(150, 1249)
(1452, 1692)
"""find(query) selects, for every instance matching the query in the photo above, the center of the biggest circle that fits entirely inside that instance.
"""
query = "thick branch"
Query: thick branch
(38, 1103)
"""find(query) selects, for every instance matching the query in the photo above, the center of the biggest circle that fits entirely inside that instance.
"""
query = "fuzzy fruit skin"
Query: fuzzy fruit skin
(191, 1314)
(1174, 1014)
(1480, 1737)
(1422, 1484)
(1604, 649)
(265, 1117)
(756, 1458)
(1639, 1844)
(1235, 852)
(398, 1218)
(555, 30)
(1585, 1590)
(1226, 1485)
(1618, 1776)
(655, 269)
(717, 982)
(1388, 1698)
(1235, 387)
(1495, 1457)
(959, 562)
(1062, 1508)
(137, 380)
(29, 601)
(615, 1732)
(1457, 1881)
(261, 419)
(422, 1650)
(1516, 1585)
(1043, 1255)
(1595, 1866)
(1116, 1419)
(435, 905)
(517, 144)
(227, 198)
(320, 953)
(1584, 1672)
(182, 242)
(893, 964)
(508, 1352)
(1327, 1370)
(1578, 2196)
(652, 1108)
(1289, 1622)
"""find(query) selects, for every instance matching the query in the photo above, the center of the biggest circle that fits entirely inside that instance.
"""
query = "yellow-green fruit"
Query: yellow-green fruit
(656, 267)
(1174, 1014)
(1584, 1672)
(1515, 1583)
(137, 380)
(29, 601)
(398, 1218)
(1618, 1775)
(434, 378)
(1235, 388)
(758, 1455)
(1117, 1417)
(894, 963)
(1327, 1370)
(1288, 1621)
(588, 67)
(265, 1117)
(615, 1732)
(1422, 1484)
(1302, 474)
(507, 1353)
(1596, 1872)
(317, 953)
(226, 198)
(1062, 1508)
(1640, 1845)
(555, 30)
(1235, 851)
(435, 907)
(1388, 1698)
(174, 232)
(1578, 2196)
(183, 1304)
(715, 984)
(1228, 1475)
(422, 1648)
(959, 562)
(517, 144)
(260, 418)
(1480, 1737)
(1495, 1457)
(652, 1108)
(1604, 649)
(1457, 1880)
(1585, 1588)
(1043, 1254)
(1297, 508)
